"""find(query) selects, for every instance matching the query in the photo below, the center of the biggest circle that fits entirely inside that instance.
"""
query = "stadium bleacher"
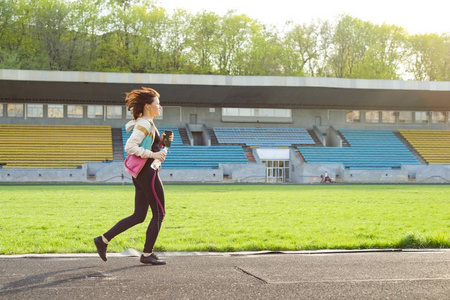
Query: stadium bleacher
(73, 145)
(252, 136)
(369, 149)
(54, 145)
(203, 157)
(195, 157)
(432, 145)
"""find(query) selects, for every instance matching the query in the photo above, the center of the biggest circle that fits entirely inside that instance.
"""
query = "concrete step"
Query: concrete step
(314, 137)
(212, 134)
(249, 153)
(345, 143)
(184, 136)
(117, 143)
(300, 155)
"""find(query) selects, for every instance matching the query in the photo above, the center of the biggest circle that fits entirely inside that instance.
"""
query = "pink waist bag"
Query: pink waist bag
(134, 163)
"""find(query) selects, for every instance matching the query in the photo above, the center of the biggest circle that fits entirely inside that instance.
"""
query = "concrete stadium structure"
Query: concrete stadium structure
(200, 102)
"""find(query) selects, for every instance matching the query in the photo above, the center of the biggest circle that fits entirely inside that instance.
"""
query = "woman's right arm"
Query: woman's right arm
(132, 146)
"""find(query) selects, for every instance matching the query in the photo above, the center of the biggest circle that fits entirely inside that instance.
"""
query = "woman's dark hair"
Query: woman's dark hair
(136, 99)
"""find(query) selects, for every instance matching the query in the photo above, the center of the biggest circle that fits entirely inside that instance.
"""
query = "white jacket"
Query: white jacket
(142, 127)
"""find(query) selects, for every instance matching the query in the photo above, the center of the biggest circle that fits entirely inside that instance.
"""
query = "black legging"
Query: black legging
(149, 191)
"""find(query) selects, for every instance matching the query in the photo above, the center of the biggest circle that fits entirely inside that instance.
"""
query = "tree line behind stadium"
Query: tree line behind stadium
(138, 36)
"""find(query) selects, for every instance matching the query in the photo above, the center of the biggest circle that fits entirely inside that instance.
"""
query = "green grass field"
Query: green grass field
(63, 219)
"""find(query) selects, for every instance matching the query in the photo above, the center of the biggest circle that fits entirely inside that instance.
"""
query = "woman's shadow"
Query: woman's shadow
(44, 280)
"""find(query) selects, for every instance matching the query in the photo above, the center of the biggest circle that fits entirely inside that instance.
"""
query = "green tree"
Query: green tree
(176, 37)
(133, 38)
(364, 50)
(349, 45)
(82, 34)
(8, 57)
(232, 44)
(7, 15)
(265, 52)
(430, 57)
(18, 48)
(50, 20)
(384, 55)
(149, 36)
(304, 48)
(202, 37)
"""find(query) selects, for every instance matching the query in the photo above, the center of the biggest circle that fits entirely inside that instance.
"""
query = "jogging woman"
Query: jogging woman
(144, 106)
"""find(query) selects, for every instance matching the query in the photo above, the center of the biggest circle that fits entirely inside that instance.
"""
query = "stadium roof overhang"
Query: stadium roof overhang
(224, 91)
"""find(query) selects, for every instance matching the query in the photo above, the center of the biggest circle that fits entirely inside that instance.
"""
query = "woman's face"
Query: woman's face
(155, 108)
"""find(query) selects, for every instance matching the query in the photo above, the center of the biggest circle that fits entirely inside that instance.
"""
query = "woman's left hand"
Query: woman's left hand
(170, 138)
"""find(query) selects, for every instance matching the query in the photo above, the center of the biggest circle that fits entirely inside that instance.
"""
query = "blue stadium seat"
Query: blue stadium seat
(369, 149)
(253, 136)
(194, 157)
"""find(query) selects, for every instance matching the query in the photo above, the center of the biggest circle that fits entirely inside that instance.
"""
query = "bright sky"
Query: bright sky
(416, 16)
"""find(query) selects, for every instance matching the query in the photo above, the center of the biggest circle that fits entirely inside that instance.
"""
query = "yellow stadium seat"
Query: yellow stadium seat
(432, 145)
(54, 145)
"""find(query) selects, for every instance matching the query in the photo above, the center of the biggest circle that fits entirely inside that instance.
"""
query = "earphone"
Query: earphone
(148, 106)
